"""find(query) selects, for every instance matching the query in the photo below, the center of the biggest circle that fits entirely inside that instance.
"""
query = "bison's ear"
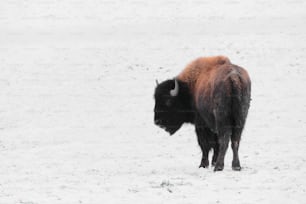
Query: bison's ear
(175, 91)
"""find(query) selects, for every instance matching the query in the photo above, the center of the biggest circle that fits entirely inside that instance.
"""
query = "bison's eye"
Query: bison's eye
(168, 102)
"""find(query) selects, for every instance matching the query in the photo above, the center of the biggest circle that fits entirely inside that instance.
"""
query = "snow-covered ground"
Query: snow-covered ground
(76, 101)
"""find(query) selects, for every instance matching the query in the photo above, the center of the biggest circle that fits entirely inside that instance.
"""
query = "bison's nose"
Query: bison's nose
(157, 121)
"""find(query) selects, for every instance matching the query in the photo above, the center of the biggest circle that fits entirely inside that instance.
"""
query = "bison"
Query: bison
(214, 95)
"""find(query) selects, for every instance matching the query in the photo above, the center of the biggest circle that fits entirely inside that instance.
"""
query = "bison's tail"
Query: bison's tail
(240, 100)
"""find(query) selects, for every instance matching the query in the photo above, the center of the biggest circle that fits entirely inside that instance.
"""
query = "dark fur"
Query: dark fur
(216, 102)
(171, 112)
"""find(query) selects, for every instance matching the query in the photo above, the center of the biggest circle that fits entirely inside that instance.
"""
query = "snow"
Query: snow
(76, 101)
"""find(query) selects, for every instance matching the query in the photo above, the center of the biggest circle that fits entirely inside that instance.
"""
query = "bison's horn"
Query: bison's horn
(175, 91)
(156, 82)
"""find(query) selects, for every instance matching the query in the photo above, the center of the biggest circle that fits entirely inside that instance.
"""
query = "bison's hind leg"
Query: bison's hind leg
(223, 141)
(216, 152)
(235, 139)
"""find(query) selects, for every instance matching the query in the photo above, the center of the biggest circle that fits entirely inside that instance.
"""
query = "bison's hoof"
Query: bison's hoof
(236, 168)
(219, 167)
(236, 165)
(204, 164)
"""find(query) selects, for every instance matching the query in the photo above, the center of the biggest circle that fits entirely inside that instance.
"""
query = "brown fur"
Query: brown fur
(202, 74)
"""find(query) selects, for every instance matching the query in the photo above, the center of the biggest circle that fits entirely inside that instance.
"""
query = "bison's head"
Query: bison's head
(173, 105)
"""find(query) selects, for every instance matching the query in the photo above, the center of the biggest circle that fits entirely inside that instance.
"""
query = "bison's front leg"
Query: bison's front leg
(215, 156)
(223, 141)
(204, 147)
(204, 161)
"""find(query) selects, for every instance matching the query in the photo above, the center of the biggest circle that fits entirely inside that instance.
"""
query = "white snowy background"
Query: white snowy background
(76, 100)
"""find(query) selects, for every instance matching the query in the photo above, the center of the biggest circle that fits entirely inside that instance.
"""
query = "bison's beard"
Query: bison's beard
(171, 129)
